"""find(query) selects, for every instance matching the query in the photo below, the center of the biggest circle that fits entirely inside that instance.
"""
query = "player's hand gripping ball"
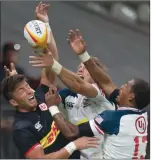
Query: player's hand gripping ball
(37, 34)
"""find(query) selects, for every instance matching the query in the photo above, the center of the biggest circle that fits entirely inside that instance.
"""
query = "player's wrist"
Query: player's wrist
(70, 148)
(48, 26)
(53, 110)
(56, 67)
(48, 31)
(84, 57)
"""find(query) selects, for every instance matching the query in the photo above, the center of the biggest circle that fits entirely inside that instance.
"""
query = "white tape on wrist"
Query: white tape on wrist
(56, 67)
(53, 110)
(71, 147)
(84, 57)
(48, 26)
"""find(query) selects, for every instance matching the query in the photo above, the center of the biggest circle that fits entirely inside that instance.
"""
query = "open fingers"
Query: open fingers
(41, 65)
(35, 58)
(12, 66)
(45, 7)
(78, 33)
(93, 138)
(36, 62)
(71, 36)
(6, 71)
(38, 7)
(92, 146)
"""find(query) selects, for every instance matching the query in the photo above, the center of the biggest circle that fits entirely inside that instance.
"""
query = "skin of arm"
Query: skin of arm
(47, 76)
(39, 153)
(69, 130)
(76, 84)
(78, 45)
(100, 77)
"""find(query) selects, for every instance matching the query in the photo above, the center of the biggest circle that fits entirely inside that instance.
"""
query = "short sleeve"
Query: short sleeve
(101, 100)
(107, 122)
(64, 93)
(100, 96)
(25, 141)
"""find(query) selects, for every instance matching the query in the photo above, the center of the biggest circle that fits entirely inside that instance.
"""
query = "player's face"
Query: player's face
(83, 73)
(126, 94)
(24, 97)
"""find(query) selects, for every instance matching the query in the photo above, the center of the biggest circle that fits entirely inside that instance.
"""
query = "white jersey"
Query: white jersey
(126, 131)
(81, 109)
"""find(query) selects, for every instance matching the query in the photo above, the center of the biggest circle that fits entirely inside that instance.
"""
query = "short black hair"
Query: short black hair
(9, 84)
(141, 89)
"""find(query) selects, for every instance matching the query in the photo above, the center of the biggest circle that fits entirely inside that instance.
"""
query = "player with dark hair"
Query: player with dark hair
(128, 121)
(35, 133)
(104, 81)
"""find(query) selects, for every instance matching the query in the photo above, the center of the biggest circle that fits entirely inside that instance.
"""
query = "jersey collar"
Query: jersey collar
(127, 108)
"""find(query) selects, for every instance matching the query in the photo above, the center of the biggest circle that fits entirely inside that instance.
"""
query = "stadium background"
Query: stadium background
(117, 33)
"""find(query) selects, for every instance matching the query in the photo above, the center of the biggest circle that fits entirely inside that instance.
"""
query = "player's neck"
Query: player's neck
(26, 110)
(128, 105)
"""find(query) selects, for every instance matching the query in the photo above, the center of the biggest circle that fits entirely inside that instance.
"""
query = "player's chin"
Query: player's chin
(32, 103)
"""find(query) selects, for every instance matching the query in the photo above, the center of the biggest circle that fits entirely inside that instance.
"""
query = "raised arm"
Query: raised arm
(47, 76)
(69, 130)
(70, 79)
(98, 74)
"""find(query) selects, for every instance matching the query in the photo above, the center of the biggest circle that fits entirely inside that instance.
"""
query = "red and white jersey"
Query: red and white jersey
(126, 133)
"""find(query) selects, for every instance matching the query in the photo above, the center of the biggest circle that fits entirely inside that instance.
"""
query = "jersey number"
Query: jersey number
(136, 150)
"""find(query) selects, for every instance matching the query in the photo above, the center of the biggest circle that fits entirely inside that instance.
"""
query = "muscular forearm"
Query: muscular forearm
(61, 154)
(100, 77)
(73, 81)
(46, 72)
(69, 130)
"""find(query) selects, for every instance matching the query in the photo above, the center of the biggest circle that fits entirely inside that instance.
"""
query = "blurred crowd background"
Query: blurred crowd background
(116, 32)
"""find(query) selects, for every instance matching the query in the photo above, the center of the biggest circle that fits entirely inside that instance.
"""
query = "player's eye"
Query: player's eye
(20, 91)
(27, 86)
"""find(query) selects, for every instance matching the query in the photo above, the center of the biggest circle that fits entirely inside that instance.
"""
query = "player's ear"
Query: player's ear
(13, 102)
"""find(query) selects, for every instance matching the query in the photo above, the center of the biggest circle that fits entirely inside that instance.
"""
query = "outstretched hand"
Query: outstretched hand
(76, 41)
(43, 61)
(42, 12)
(10, 72)
(86, 142)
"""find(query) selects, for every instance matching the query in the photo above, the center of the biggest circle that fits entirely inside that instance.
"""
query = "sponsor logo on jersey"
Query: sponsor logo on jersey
(140, 125)
(69, 105)
(51, 137)
(43, 107)
(86, 102)
(82, 121)
(38, 126)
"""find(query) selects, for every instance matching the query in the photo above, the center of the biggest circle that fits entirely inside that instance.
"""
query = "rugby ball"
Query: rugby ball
(37, 34)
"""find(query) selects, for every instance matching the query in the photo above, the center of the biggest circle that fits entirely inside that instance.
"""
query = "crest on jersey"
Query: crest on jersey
(86, 102)
(43, 107)
(140, 125)
(38, 126)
